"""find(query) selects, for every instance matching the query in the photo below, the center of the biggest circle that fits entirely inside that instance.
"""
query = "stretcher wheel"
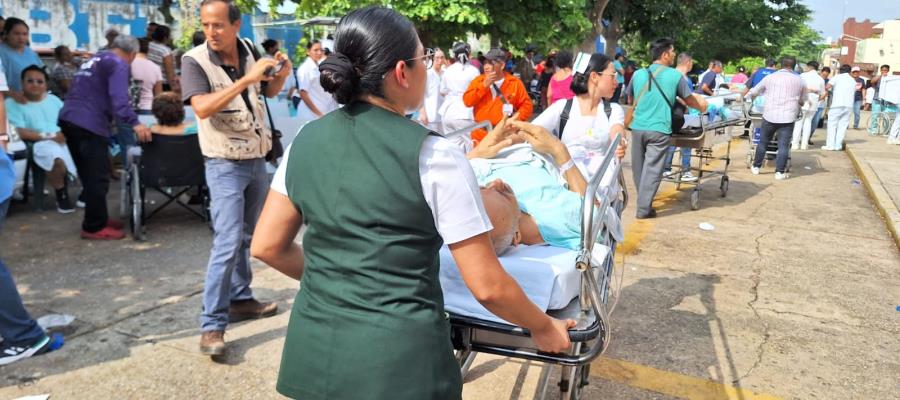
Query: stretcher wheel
(695, 200)
(723, 185)
(750, 158)
(137, 205)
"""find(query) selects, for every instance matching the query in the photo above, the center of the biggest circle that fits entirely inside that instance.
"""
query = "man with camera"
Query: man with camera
(223, 80)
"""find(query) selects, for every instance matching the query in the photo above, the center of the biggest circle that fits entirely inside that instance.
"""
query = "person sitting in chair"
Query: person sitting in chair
(169, 112)
(35, 121)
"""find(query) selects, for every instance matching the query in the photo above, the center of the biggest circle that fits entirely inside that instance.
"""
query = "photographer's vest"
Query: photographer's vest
(235, 132)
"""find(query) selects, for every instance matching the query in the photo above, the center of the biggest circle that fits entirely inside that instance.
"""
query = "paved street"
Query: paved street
(794, 295)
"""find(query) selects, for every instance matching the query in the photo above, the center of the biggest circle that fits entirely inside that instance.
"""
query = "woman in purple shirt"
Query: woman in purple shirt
(99, 92)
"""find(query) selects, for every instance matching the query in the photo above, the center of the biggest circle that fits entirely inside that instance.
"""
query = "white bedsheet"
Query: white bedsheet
(546, 274)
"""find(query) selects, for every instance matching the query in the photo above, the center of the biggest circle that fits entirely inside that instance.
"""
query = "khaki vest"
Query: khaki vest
(233, 133)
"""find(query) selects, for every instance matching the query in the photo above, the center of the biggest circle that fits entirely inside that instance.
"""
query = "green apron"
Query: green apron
(368, 322)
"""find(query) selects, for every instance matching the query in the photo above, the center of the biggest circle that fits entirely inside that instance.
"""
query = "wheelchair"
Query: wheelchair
(171, 166)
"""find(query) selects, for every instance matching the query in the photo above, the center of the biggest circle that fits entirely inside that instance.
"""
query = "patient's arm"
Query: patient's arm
(273, 240)
(544, 142)
(696, 102)
(499, 293)
(497, 139)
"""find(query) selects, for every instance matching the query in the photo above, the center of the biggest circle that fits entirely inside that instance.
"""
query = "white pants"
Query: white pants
(802, 127)
(838, 121)
(47, 151)
(895, 129)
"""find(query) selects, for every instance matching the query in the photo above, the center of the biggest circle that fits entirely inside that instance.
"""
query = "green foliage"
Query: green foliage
(747, 62)
(712, 29)
(802, 44)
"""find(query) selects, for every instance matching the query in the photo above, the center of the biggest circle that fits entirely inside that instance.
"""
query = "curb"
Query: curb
(879, 195)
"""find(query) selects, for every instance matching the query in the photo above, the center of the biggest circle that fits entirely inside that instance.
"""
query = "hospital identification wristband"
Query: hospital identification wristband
(4, 137)
(566, 166)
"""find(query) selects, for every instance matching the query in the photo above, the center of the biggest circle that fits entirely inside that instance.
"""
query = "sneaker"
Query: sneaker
(250, 309)
(780, 176)
(107, 233)
(115, 224)
(668, 174)
(688, 177)
(79, 204)
(795, 147)
(826, 148)
(10, 353)
(754, 170)
(63, 203)
(804, 147)
(212, 343)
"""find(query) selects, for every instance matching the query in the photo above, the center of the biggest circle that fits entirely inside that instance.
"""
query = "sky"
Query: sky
(826, 17)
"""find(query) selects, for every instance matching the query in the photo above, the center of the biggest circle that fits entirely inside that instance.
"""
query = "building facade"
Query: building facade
(882, 47)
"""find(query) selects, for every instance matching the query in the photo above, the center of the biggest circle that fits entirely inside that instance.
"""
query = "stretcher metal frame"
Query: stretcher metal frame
(590, 310)
(702, 140)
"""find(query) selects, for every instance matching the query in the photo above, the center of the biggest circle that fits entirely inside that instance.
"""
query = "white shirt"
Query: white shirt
(433, 96)
(454, 84)
(586, 137)
(449, 186)
(308, 80)
(814, 83)
(843, 90)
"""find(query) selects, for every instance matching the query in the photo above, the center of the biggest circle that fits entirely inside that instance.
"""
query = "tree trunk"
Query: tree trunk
(596, 17)
(612, 35)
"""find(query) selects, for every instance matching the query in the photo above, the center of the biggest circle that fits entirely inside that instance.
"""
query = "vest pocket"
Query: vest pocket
(232, 121)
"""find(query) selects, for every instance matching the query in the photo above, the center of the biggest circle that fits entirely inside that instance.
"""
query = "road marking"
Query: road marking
(669, 383)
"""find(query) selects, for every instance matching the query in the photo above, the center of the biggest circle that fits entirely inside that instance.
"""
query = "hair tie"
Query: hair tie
(338, 62)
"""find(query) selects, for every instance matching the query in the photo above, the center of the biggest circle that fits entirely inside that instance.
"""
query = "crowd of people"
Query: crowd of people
(388, 157)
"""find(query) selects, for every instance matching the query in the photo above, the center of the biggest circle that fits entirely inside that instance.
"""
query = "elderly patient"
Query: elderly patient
(524, 197)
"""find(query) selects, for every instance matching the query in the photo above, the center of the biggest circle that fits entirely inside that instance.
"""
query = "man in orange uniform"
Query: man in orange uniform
(495, 94)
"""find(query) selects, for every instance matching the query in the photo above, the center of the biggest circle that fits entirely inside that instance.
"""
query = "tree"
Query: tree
(803, 45)
(512, 23)
(709, 29)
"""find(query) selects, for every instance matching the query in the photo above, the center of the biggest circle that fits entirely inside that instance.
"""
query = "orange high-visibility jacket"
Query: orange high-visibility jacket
(489, 108)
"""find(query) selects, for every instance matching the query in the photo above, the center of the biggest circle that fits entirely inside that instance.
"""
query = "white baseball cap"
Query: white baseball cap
(855, 69)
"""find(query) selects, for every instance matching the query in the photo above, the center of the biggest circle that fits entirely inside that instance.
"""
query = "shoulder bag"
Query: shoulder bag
(629, 115)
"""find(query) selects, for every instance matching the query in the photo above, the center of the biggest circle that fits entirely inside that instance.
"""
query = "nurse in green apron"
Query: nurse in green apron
(380, 194)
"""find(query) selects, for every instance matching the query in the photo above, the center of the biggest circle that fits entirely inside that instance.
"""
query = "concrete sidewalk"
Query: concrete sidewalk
(876, 163)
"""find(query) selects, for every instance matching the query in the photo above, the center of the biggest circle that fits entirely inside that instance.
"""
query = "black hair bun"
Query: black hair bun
(339, 77)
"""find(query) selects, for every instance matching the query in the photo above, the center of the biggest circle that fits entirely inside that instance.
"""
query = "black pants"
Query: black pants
(90, 153)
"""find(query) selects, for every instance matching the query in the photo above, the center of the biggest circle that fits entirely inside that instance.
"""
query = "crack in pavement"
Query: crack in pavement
(830, 321)
(754, 290)
(170, 301)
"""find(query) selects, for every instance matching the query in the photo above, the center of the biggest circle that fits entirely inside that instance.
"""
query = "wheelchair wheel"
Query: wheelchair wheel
(124, 196)
(723, 185)
(137, 205)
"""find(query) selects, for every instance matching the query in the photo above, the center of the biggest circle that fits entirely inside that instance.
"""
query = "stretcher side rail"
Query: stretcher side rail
(591, 314)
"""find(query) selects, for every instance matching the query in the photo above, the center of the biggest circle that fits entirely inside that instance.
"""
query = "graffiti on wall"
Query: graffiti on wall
(81, 24)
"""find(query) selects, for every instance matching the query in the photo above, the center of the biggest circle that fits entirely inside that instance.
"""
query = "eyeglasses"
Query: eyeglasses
(428, 58)
(37, 81)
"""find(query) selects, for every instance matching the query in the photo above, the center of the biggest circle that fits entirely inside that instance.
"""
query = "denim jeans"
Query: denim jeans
(237, 189)
(16, 325)
(856, 106)
(685, 159)
(815, 120)
(783, 133)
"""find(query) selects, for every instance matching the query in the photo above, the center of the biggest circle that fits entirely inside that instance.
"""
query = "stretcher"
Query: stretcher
(701, 134)
(567, 284)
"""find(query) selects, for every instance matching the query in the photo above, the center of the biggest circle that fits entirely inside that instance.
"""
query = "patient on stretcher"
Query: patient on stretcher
(527, 197)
